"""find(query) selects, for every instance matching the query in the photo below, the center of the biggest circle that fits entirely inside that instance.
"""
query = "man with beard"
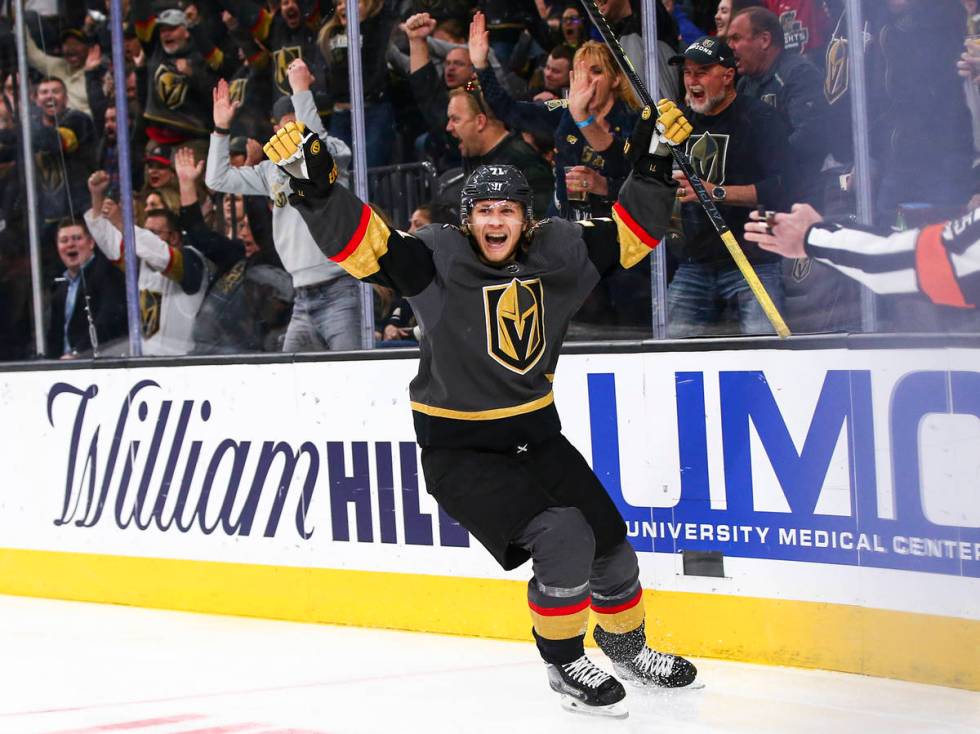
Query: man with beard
(740, 149)
(178, 81)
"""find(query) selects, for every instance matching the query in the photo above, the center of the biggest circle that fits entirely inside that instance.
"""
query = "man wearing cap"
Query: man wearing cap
(326, 313)
(740, 149)
(179, 81)
(79, 66)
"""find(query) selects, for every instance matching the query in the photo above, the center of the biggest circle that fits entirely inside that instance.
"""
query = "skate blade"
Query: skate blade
(644, 685)
(616, 710)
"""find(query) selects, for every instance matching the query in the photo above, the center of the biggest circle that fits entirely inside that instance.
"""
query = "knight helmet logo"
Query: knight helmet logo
(170, 86)
(281, 60)
(836, 79)
(151, 305)
(515, 323)
(709, 154)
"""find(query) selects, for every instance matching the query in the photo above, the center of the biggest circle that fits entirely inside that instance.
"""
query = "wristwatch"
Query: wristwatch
(718, 193)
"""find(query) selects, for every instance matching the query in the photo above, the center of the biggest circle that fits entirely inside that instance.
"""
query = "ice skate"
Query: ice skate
(587, 689)
(634, 661)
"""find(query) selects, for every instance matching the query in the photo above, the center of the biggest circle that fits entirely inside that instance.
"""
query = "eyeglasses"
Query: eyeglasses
(472, 87)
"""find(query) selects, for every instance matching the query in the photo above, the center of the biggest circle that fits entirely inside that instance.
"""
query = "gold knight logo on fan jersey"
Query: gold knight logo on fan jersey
(151, 304)
(709, 156)
(170, 86)
(515, 323)
(281, 59)
(836, 78)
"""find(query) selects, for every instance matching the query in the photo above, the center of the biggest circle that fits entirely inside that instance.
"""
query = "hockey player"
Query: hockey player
(941, 261)
(493, 298)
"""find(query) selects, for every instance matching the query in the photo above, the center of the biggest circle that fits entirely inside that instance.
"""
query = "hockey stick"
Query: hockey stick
(748, 272)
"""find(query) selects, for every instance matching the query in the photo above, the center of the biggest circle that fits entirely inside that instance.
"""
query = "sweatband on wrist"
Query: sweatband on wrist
(222, 130)
(584, 123)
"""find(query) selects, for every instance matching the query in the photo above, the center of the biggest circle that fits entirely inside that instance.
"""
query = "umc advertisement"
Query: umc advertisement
(857, 458)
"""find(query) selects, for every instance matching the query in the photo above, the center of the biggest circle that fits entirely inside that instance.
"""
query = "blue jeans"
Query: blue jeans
(379, 127)
(699, 295)
(326, 316)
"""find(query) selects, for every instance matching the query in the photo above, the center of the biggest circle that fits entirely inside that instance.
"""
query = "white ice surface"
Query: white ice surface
(93, 669)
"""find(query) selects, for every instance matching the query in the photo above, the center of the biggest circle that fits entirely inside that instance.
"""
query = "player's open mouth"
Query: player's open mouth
(697, 95)
(496, 239)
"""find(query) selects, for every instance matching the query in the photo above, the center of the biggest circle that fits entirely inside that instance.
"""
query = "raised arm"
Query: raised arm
(220, 175)
(516, 115)
(346, 229)
(301, 82)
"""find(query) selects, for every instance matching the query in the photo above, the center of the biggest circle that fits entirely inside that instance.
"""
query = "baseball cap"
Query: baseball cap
(705, 51)
(159, 154)
(283, 106)
(172, 17)
(238, 144)
(75, 33)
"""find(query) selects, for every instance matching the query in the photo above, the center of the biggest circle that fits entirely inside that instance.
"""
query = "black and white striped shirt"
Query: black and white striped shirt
(940, 261)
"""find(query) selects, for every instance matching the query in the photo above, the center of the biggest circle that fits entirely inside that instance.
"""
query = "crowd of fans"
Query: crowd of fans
(226, 265)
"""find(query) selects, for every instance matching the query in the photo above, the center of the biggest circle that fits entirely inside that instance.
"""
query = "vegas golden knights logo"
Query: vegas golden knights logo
(170, 87)
(281, 60)
(237, 89)
(49, 172)
(836, 79)
(801, 268)
(709, 154)
(515, 323)
(151, 302)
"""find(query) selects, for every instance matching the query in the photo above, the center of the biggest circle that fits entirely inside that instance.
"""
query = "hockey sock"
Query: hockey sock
(560, 617)
(621, 613)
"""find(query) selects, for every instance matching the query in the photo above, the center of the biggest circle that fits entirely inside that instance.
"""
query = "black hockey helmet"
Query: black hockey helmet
(495, 182)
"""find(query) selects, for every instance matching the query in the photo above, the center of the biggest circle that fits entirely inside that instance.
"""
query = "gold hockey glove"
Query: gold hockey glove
(304, 158)
(648, 151)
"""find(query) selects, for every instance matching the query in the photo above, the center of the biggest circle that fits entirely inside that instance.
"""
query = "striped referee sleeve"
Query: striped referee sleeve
(940, 261)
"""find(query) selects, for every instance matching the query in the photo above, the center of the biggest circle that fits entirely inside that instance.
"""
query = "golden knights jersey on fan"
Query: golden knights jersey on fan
(491, 334)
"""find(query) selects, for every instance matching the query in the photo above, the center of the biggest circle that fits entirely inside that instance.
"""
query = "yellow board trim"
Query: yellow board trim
(485, 415)
(914, 647)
